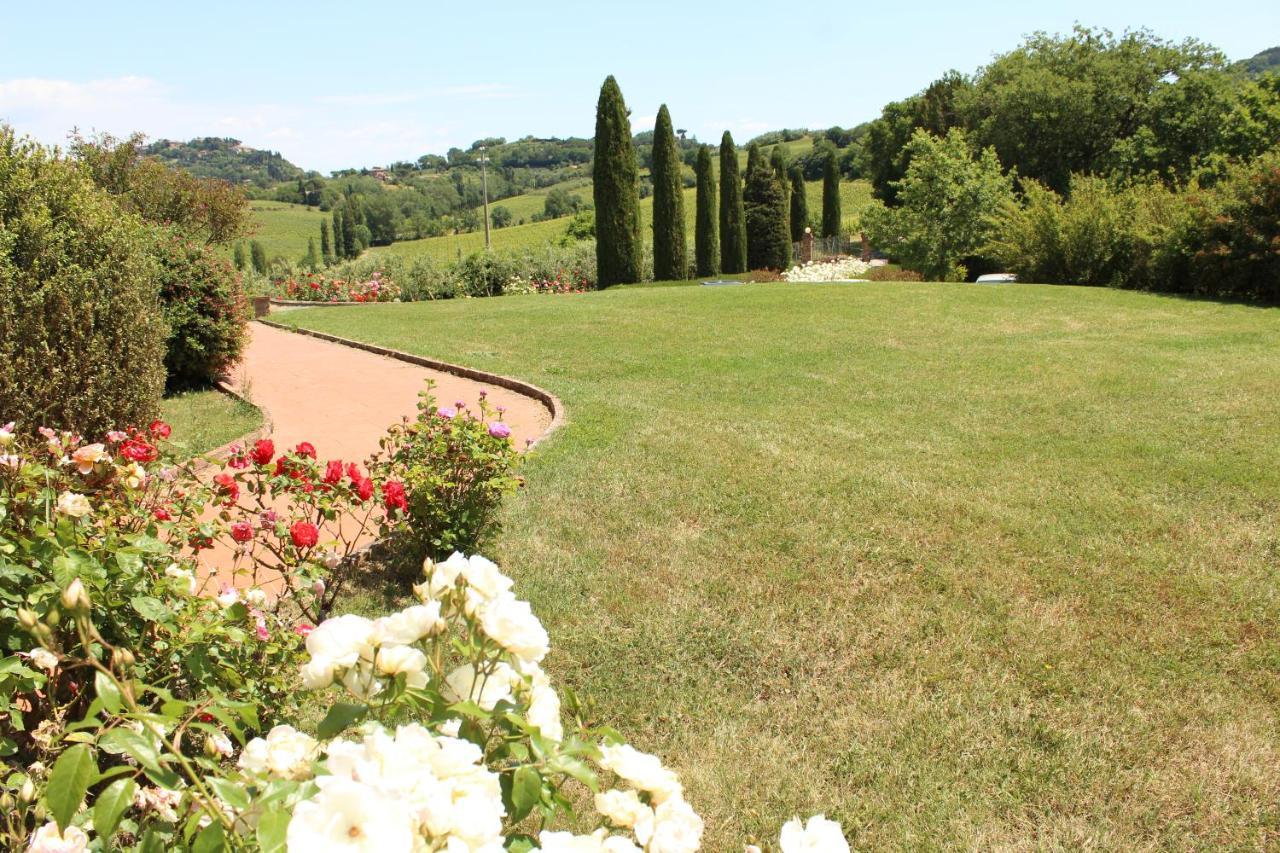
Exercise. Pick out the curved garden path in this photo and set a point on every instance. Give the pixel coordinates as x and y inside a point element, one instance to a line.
<point>342,399</point>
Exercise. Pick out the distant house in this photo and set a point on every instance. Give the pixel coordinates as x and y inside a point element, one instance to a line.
<point>380,173</point>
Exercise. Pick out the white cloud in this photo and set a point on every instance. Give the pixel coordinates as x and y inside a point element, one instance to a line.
<point>365,132</point>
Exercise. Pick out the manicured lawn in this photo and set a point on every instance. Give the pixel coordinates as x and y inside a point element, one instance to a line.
<point>205,420</point>
<point>959,566</point>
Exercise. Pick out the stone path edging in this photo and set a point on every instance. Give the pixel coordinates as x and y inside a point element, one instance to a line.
<point>519,386</point>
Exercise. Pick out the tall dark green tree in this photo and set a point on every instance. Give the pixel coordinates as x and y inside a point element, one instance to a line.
<point>733,227</point>
<point>311,260</point>
<point>706,238</point>
<point>326,244</point>
<point>613,173</point>
<point>337,233</point>
<point>767,215</point>
<point>670,252</point>
<point>799,204</point>
<point>237,256</point>
<point>350,238</point>
<point>258,256</point>
<point>780,162</point>
<point>831,197</point>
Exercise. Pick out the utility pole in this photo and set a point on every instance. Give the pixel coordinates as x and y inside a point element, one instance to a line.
<point>484,183</point>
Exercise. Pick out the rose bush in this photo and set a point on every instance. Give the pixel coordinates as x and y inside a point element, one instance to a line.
<point>457,464</point>
<point>443,733</point>
<point>833,269</point>
<point>319,287</point>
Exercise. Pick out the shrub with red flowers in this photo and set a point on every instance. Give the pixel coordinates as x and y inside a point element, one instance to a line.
<point>561,281</point>
<point>448,470</point>
<point>319,287</point>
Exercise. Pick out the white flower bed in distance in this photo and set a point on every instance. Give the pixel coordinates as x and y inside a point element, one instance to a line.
<point>838,269</point>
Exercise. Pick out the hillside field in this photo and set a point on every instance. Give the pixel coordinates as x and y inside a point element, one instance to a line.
<point>962,567</point>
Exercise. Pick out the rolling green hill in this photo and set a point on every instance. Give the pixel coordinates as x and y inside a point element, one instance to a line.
<point>226,159</point>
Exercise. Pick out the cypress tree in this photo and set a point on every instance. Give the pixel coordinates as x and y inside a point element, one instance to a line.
<point>706,240</point>
<point>767,215</point>
<point>337,233</point>
<point>350,243</point>
<point>311,260</point>
<point>613,174</point>
<point>670,250</point>
<point>799,205</point>
<point>237,256</point>
<point>258,256</point>
<point>733,228</point>
<point>326,245</point>
<point>831,197</point>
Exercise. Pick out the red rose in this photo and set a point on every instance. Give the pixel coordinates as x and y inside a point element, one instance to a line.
<point>304,534</point>
<point>353,473</point>
<point>306,448</point>
<point>333,472</point>
<point>242,531</point>
<point>393,496</point>
<point>228,488</point>
<point>364,489</point>
<point>263,450</point>
<point>161,514</point>
<point>137,450</point>
<point>160,429</point>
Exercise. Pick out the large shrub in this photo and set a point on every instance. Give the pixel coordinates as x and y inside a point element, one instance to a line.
<point>82,339</point>
<point>205,308</point>
<point>1098,235</point>
<point>457,466</point>
<point>1231,243</point>
<point>947,206</point>
<point>767,215</point>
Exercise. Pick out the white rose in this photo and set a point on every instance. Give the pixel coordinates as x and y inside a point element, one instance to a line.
<point>74,504</point>
<point>393,660</point>
<point>220,744</point>
<point>10,460</point>
<point>43,658</point>
<point>622,808</point>
<point>443,576</point>
<point>642,770</point>
<point>6,434</point>
<point>285,752</point>
<point>511,624</point>
<point>619,844</point>
<point>47,839</point>
<point>228,597</point>
<point>255,596</point>
<point>674,828</point>
<point>361,682</point>
<point>818,835</point>
<point>486,691</point>
<point>484,577</point>
<point>317,674</point>
<point>349,815</point>
<point>544,711</point>
<point>342,640</point>
<point>409,625</point>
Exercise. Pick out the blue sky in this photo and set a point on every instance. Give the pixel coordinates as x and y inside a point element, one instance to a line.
<point>362,84</point>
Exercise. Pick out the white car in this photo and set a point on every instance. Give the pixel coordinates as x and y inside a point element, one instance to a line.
<point>997,278</point>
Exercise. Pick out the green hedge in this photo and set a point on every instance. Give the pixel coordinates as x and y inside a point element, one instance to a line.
<point>82,338</point>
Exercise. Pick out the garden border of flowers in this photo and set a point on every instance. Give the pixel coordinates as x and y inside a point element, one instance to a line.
<point>527,389</point>
<point>219,455</point>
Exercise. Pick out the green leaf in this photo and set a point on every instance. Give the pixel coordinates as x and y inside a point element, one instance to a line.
<point>211,838</point>
<point>526,791</point>
<point>129,742</point>
<point>574,768</point>
<point>107,692</point>
<point>520,844</point>
<point>234,795</point>
<point>273,826</point>
<point>339,717</point>
<point>151,609</point>
<point>69,781</point>
<point>111,805</point>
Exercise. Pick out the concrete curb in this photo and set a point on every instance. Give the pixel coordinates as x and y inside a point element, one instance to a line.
<point>550,401</point>
<point>303,303</point>
<point>219,455</point>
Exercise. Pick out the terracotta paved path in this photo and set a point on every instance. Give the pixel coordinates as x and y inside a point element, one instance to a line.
<point>342,400</point>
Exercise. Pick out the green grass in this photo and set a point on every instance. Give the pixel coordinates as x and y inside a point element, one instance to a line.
<point>283,229</point>
<point>960,566</point>
<point>205,420</point>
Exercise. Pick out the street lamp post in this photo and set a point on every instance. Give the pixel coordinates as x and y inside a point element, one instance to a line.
<point>484,183</point>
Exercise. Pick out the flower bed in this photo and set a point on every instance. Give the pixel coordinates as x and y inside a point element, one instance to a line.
<point>141,708</point>
<point>833,269</point>
<point>318,287</point>
<point>562,281</point>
